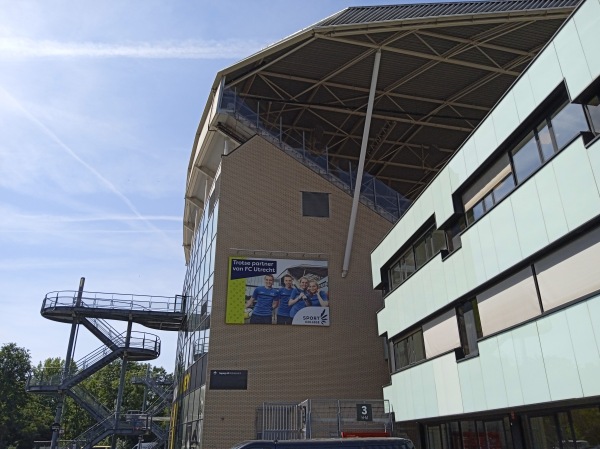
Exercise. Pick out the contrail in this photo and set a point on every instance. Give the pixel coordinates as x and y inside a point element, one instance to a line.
<point>95,172</point>
<point>30,48</point>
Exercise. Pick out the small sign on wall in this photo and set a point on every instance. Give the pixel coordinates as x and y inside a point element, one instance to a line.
<point>364,412</point>
<point>228,379</point>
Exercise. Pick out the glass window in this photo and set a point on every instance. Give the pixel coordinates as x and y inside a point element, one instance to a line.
<point>526,158</point>
<point>438,241</point>
<point>420,253</point>
<point>400,354</point>
<point>545,140</point>
<point>593,108</point>
<point>434,440</point>
<point>566,432</point>
<point>586,424</point>
<point>396,275</point>
<point>469,435</point>
<point>409,350</point>
<point>495,435</point>
<point>407,264</point>
<point>504,188</point>
<point>469,327</point>
<point>567,123</point>
<point>475,213</point>
<point>544,433</point>
<point>488,201</point>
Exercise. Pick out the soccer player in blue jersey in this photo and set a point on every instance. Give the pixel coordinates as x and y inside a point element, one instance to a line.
<point>265,300</point>
<point>299,298</point>
<point>283,311</point>
<point>317,297</point>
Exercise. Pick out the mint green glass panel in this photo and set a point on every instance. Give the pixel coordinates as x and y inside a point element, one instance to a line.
<point>485,139</point>
<point>473,257</point>
<point>492,375</point>
<point>545,74</point>
<point>438,282</point>
<point>488,249</point>
<point>587,354</point>
<point>594,157</point>
<point>416,381</point>
<point>524,100</point>
<point>505,117</point>
<point>471,385</point>
<point>510,369</point>
<point>532,373</point>
<point>571,59</point>
<point>457,170</point>
<point>429,397</point>
<point>470,155</point>
<point>529,219</point>
<point>552,209</point>
<point>587,21</point>
<point>559,358</point>
<point>450,276</point>
<point>508,249</point>
<point>594,308</point>
<point>576,184</point>
<point>447,385</point>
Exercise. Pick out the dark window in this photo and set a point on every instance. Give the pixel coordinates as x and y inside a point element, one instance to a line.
<point>475,213</point>
<point>593,109</point>
<point>541,143</point>
<point>421,253</point>
<point>567,123</point>
<point>504,188</point>
<point>315,204</point>
<point>453,234</point>
<point>409,350</point>
<point>469,327</point>
<point>526,158</point>
<point>417,255</point>
<point>545,139</point>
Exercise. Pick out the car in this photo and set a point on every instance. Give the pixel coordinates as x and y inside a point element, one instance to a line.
<point>329,443</point>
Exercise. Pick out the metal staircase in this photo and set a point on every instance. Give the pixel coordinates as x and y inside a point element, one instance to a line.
<point>92,310</point>
<point>163,389</point>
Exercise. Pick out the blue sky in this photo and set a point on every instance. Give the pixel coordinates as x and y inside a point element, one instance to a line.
<point>99,105</point>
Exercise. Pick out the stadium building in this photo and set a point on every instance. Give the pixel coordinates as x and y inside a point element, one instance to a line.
<point>444,154</point>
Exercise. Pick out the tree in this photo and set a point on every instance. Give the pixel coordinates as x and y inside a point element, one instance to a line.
<point>15,364</point>
<point>25,417</point>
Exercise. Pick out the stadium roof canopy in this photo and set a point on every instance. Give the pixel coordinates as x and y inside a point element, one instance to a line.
<point>443,66</point>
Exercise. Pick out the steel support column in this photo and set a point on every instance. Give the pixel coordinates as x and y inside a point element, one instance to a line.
<point>361,164</point>
<point>113,442</point>
<point>68,360</point>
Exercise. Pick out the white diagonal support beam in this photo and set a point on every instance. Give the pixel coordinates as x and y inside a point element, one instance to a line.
<point>361,165</point>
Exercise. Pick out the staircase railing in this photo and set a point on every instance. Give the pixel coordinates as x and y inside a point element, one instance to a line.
<point>87,400</point>
<point>95,360</point>
<point>108,331</point>
<point>91,435</point>
<point>116,301</point>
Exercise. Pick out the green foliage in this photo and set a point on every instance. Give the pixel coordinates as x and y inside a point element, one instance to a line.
<point>15,364</point>
<point>27,417</point>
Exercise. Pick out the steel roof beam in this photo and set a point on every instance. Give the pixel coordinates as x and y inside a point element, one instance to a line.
<point>379,92</point>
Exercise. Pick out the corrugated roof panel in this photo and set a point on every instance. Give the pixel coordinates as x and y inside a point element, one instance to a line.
<point>378,14</point>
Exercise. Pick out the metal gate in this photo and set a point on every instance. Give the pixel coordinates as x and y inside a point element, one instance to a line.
<point>280,421</point>
<point>324,418</point>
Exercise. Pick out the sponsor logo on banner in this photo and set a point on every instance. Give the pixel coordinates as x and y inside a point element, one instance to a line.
<point>312,316</point>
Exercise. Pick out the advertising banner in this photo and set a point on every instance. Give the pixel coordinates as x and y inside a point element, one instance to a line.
<point>277,291</point>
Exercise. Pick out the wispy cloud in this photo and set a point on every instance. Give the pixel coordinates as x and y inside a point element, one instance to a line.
<point>31,48</point>
<point>101,178</point>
